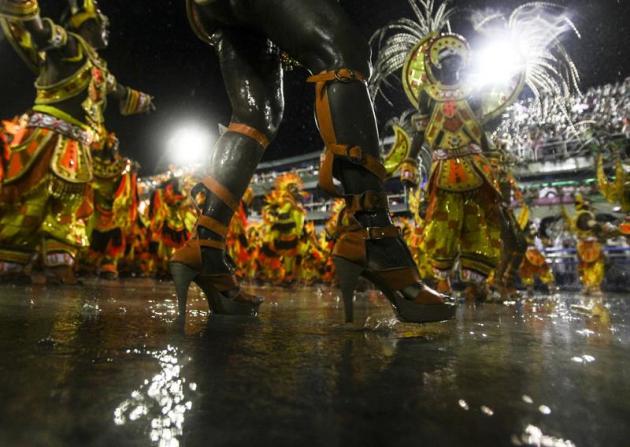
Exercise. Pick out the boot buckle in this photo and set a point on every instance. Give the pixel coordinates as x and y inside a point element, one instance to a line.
<point>377,233</point>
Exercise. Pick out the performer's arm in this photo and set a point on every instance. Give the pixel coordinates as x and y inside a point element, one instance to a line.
<point>420,121</point>
<point>409,172</point>
<point>46,35</point>
<point>132,102</point>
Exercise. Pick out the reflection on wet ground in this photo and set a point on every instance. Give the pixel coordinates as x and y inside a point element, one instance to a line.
<point>105,365</point>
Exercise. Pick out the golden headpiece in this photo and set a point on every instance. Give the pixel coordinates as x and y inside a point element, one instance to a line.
<point>581,203</point>
<point>81,14</point>
<point>284,181</point>
<point>448,44</point>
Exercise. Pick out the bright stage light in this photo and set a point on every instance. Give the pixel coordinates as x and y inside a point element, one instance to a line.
<point>189,145</point>
<point>496,63</point>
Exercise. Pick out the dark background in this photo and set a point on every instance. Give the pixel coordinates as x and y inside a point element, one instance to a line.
<point>153,49</point>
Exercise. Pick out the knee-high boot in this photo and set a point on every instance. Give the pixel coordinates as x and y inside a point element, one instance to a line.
<point>203,259</point>
<point>369,244</point>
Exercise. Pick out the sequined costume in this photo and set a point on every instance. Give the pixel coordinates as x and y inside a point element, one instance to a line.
<point>115,206</point>
<point>311,257</point>
<point>465,220</point>
<point>590,252</point>
<point>237,243</point>
<point>284,227</point>
<point>48,167</point>
<point>417,234</point>
<point>617,191</point>
<point>172,218</point>
<point>534,265</point>
<point>503,278</point>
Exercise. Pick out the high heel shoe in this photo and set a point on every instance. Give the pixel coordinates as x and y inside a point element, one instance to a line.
<point>202,261</point>
<point>211,285</point>
<point>411,299</point>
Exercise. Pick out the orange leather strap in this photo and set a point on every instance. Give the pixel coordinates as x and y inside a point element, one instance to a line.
<point>209,243</point>
<point>398,279</point>
<point>374,233</point>
<point>356,155</point>
<point>341,75</point>
<point>213,225</point>
<point>221,192</point>
<point>250,132</point>
<point>327,131</point>
<point>222,282</point>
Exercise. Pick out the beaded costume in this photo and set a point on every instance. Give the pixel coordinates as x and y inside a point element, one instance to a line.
<point>115,206</point>
<point>465,220</point>
<point>48,167</point>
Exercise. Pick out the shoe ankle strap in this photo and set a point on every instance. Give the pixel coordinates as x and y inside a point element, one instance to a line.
<point>213,225</point>
<point>375,233</point>
<point>210,223</point>
<point>211,243</point>
<point>334,149</point>
<point>221,192</point>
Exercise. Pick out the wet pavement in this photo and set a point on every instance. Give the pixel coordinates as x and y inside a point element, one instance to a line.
<point>105,365</point>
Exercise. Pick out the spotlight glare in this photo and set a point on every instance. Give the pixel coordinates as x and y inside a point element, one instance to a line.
<point>189,145</point>
<point>497,63</point>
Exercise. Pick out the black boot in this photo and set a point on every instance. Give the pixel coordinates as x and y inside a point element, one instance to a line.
<point>203,259</point>
<point>368,245</point>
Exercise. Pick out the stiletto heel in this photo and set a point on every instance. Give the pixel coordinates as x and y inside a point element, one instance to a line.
<point>182,277</point>
<point>411,299</point>
<point>348,275</point>
<point>209,270</point>
<point>217,303</point>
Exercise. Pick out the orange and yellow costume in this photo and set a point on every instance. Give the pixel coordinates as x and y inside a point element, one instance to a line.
<point>115,207</point>
<point>590,252</point>
<point>47,170</point>
<point>534,265</point>
<point>172,219</point>
<point>283,226</point>
<point>237,243</point>
<point>463,214</point>
<point>617,191</point>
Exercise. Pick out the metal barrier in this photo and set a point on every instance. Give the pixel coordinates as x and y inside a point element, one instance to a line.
<point>564,263</point>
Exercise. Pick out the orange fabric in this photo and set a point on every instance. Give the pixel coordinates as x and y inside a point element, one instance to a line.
<point>18,161</point>
<point>87,205</point>
<point>535,257</point>
<point>589,251</point>
<point>70,157</point>
<point>250,132</point>
<point>36,174</point>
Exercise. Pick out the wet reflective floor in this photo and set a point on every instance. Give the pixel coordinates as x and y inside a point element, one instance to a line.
<point>105,365</point>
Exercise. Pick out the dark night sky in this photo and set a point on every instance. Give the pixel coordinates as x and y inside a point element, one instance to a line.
<point>152,49</point>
